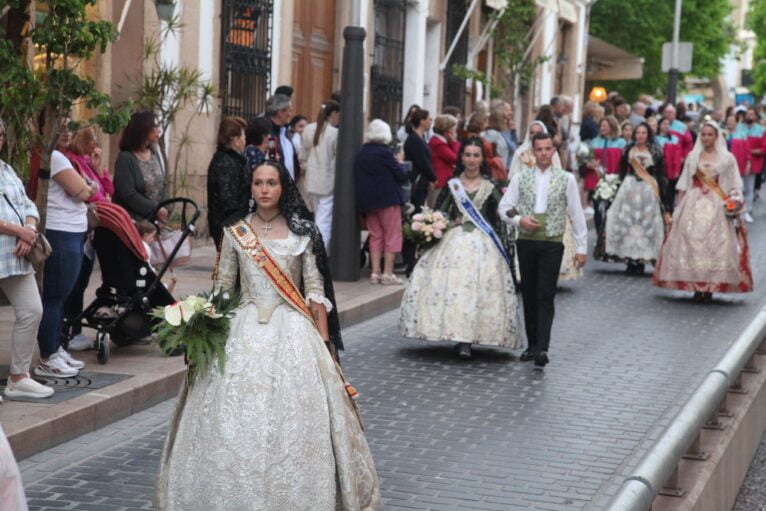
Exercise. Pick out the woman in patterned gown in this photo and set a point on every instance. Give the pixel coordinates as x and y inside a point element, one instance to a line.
<point>634,226</point>
<point>706,250</point>
<point>462,290</point>
<point>278,428</point>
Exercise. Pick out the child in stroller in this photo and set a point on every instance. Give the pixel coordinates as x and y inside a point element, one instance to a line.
<point>130,288</point>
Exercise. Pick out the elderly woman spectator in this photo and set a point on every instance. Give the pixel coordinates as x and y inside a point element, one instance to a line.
<point>139,175</point>
<point>228,177</point>
<point>317,157</point>
<point>18,230</point>
<point>85,154</point>
<point>379,198</point>
<point>444,148</point>
<point>416,151</point>
<point>66,227</point>
<point>257,140</point>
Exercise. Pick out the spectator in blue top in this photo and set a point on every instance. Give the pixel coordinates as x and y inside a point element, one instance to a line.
<point>379,198</point>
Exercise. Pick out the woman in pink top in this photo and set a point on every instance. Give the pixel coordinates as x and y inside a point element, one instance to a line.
<point>85,155</point>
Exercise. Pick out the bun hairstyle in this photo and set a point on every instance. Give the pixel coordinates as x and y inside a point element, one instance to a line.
<point>325,111</point>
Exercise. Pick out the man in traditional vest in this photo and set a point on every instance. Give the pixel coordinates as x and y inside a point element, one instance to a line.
<point>537,201</point>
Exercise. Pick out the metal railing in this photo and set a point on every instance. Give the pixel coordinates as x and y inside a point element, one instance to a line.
<point>657,471</point>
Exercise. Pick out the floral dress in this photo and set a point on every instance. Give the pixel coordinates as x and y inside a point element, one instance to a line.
<point>462,289</point>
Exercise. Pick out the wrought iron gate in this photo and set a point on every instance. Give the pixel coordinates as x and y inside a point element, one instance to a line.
<point>454,86</point>
<point>246,28</point>
<point>387,72</point>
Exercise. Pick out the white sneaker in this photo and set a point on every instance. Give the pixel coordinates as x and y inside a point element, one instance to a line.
<point>589,212</point>
<point>80,342</point>
<point>75,364</point>
<point>55,367</point>
<point>748,218</point>
<point>27,388</point>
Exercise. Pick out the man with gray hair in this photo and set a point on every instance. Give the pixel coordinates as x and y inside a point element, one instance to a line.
<point>279,110</point>
<point>638,115</point>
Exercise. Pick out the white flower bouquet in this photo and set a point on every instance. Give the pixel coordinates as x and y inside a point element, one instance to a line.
<point>607,187</point>
<point>200,325</point>
<point>427,227</point>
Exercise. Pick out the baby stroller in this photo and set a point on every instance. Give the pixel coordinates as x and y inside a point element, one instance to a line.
<point>129,289</point>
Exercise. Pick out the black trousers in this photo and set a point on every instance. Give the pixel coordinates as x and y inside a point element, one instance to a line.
<point>539,264</point>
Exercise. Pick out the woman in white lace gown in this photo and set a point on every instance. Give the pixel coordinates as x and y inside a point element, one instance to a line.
<point>462,289</point>
<point>277,430</point>
<point>706,250</point>
<point>635,228</point>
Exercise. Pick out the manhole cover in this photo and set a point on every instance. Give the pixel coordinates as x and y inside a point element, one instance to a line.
<point>67,388</point>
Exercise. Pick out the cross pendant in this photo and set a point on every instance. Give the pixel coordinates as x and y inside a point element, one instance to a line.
<point>267,228</point>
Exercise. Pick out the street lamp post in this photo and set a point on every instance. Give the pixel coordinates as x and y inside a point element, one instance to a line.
<point>345,241</point>
<point>674,64</point>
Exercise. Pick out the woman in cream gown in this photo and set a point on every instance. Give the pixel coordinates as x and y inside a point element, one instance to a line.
<point>523,159</point>
<point>277,429</point>
<point>461,289</point>
<point>706,250</point>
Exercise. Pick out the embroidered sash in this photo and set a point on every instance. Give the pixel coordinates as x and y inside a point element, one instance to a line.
<point>467,208</point>
<point>246,238</point>
<point>252,245</point>
<point>649,179</point>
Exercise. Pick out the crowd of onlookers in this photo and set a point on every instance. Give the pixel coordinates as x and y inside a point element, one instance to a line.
<point>78,180</point>
<point>398,170</point>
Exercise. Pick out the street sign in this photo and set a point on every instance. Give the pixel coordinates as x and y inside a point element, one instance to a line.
<point>684,57</point>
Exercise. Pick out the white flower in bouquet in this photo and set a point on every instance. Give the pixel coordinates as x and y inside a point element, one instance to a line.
<point>417,226</point>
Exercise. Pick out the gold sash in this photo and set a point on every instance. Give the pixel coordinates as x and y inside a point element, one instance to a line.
<point>649,179</point>
<point>282,283</point>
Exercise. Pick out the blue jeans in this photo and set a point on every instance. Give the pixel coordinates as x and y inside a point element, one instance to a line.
<point>74,303</point>
<point>59,277</point>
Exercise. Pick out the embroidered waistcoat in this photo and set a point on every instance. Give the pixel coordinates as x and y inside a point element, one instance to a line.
<point>557,200</point>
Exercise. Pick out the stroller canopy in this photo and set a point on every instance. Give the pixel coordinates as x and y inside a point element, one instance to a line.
<point>116,219</point>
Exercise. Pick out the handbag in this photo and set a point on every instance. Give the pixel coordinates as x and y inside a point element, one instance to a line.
<point>93,220</point>
<point>41,248</point>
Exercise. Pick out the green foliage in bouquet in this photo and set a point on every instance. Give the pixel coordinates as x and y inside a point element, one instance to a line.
<point>199,324</point>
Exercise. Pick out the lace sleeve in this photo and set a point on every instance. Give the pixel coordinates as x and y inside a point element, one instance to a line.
<point>313,283</point>
<point>226,270</point>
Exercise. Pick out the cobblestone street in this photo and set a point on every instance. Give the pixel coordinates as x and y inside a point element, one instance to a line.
<point>485,434</point>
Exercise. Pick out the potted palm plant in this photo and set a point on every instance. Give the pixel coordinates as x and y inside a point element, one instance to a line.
<point>165,9</point>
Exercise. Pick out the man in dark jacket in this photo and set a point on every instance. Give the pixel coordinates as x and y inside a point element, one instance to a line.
<point>279,110</point>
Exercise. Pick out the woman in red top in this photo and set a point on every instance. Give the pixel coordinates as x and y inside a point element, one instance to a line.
<point>444,149</point>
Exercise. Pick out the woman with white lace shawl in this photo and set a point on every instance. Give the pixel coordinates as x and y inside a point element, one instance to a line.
<point>706,250</point>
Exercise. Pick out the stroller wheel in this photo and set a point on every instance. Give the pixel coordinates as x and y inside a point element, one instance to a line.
<point>102,340</point>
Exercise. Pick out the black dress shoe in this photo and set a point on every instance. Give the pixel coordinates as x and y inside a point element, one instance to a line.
<point>527,356</point>
<point>541,359</point>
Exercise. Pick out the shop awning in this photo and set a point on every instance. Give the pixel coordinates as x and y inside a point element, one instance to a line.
<point>608,62</point>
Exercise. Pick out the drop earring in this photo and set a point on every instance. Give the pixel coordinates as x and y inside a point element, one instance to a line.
<point>251,202</point>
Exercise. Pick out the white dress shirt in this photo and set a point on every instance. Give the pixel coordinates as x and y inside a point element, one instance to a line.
<point>542,187</point>
<point>288,150</point>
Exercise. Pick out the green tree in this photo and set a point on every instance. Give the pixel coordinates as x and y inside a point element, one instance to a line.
<point>66,38</point>
<point>642,26</point>
<point>511,43</point>
<point>756,20</point>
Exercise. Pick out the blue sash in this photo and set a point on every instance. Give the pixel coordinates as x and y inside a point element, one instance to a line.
<point>467,208</point>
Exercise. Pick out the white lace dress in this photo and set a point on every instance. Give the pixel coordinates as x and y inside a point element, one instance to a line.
<point>462,290</point>
<point>277,430</point>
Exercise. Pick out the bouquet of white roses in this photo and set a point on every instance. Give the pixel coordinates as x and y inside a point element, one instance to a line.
<point>607,187</point>
<point>427,227</point>
<point>199,324</point>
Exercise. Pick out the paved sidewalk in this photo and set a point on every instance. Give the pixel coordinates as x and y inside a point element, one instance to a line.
<point>489,433</point>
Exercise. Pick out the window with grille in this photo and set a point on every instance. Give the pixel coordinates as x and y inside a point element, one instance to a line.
<point>387,72</point>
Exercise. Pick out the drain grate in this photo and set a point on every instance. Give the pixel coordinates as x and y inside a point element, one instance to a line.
<point>67,388</point>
